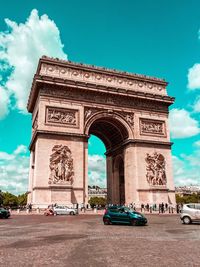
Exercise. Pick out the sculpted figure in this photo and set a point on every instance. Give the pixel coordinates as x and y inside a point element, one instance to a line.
<point>61,165</point>
<point>156,169</point>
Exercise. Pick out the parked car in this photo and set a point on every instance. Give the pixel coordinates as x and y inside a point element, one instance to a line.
<point>5,214</point>
<point>63,210</point>
<point>124,215</point>
<point>190,213</point>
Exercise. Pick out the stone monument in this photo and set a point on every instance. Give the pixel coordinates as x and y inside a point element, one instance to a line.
<point>128,112</point>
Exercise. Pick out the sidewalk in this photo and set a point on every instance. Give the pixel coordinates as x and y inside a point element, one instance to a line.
<point>88,212</point>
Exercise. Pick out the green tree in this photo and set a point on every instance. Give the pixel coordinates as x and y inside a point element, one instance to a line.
<point>1,197</point>
<point>9,200</point>
<point>97,201</point>
<point>194,198</point>
<point>22,199</point>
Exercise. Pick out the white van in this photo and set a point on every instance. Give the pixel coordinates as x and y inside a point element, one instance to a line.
<point>190,213</point>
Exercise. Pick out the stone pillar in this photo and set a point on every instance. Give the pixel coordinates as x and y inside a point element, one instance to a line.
<point>85,166</point>
<point>130,175</point>
<point>109,172</point>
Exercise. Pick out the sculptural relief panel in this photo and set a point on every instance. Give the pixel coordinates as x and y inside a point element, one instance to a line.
<point>61,166</point>
<point>152,127</point>
<point>155,169</point>
<point>62,116</point>
<point>132,83</point>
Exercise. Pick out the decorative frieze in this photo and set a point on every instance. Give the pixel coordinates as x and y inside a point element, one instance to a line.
<point>152,127</point>
<point>104,98</point>
<point>62,116</point>
<point>131,82</point>
<point>155,168</point>
<point>61,166</point>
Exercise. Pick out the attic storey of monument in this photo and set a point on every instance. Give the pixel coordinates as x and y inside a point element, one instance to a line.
<point>128,112</point>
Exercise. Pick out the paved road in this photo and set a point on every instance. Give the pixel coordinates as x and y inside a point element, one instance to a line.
<point>35,240</point>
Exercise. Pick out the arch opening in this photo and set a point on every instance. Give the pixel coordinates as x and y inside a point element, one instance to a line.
<point>110,131</point>
<point>113,134</point>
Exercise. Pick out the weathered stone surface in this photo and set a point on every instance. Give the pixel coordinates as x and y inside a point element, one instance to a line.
<point>128,112</point>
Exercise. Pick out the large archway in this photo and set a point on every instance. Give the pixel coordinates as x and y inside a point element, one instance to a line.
<point>128,112</point>
<point>113,132</point>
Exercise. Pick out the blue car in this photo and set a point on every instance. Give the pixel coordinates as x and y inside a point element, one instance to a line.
<point>123,215</point>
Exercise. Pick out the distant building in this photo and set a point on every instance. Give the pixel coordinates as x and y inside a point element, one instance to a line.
<point>96,191</point>
<point>187,190</point>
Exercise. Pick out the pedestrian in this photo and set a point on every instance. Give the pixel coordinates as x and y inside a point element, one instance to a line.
<point>162,207</point>
<point>147,207</point>
<point>142,207</point>
<point>134,207</point>
<point>166,206</point>
<point>30,207</point>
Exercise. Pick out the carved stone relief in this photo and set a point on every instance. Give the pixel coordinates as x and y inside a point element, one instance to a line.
<point>131,83</point>
<point>62,116</point>
<point>88,112</point>
<point>61,165</point>
<point>99,97</point>
<point>155,169</point>
<point>129,117</point>
<point>152,127</point>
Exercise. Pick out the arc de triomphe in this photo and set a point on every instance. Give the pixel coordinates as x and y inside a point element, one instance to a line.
<point>128,112</point>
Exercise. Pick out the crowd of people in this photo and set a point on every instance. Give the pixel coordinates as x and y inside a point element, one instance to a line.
<point>160,208</point>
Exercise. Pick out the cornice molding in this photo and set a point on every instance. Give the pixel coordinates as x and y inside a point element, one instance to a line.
<point>54,134</point>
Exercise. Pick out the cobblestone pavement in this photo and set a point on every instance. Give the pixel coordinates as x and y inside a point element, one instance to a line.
<point>83,240</point>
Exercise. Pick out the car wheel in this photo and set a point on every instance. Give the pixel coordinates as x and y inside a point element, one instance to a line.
<point>186,220</point>
<point>107,221</point>
<point>133,222</point>
<point>72,213</point>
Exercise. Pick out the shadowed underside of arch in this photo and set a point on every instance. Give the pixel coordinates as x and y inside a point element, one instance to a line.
<point>110,131</point>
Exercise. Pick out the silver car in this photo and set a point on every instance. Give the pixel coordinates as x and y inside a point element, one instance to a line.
<point>190,213</point>
<point>63,210</point>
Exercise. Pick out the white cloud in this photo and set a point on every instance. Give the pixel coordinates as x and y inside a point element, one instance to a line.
<point>20,48</point>
<point>196,106</point>
<point>4,102</point>
<point>97,170</point>
<point>14,170</point>
<point>194,77</point>
<point>186,168</point>
<point>181,124</point>
<point>21,149</point>
<point>197,143</point>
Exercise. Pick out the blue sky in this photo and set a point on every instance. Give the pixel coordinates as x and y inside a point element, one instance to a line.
<point>156,38</point>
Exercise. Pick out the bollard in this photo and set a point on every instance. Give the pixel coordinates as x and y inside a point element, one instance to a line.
<point>38,210</point>
<point>95,210</point>
<point>27,210</point>
<point>18,210</point>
